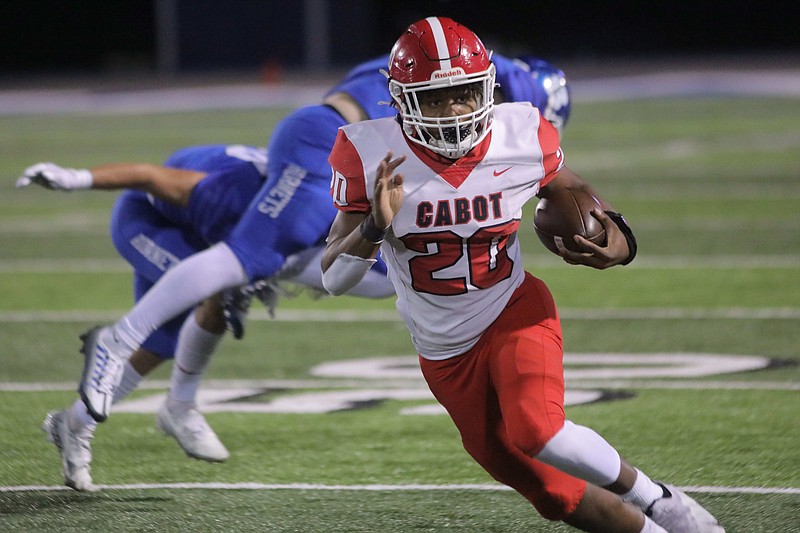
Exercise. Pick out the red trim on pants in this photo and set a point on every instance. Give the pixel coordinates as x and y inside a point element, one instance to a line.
<point>506,397</point>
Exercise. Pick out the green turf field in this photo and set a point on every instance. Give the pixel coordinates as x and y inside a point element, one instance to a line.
<point>706,394</point>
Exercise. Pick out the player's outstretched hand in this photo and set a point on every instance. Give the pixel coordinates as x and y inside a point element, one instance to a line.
<point>613,253</point>
<point>52,176</point>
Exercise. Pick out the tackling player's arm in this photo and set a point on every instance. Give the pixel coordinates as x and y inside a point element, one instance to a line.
<point>173,185</point>
<point>170,184</point>
<point>346,106</point>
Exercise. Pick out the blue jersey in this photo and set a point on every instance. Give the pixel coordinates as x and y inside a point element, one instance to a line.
<point>514,83</point>
<point>234,174</point>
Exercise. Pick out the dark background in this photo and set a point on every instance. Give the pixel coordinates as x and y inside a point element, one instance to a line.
<point>180,36</point>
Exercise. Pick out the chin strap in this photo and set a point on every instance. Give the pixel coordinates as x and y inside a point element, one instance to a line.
<point>626,230</point>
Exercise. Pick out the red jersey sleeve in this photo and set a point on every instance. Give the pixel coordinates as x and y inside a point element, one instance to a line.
<point>552,156</point>
<point>348,184</point>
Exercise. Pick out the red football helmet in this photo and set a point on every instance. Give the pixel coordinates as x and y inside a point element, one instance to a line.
<point>434,53</point>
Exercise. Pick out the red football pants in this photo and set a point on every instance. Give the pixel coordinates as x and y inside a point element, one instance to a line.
<point>506,396</point>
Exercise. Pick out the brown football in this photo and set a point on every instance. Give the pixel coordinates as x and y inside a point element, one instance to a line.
<point>565,213</point>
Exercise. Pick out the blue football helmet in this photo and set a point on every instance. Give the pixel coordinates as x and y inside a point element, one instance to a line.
<point>530,79</point>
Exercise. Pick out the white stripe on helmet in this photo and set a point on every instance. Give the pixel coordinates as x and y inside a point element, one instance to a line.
<point>441,43</point>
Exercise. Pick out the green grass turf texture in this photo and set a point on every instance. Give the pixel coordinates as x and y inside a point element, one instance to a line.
<point>712,188</point>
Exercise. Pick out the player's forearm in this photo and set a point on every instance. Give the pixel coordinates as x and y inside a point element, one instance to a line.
<point>354,244</point>
<point>350,252</point>
<point>169,184</point>
<point>346,238</point>
<point>122,176</point>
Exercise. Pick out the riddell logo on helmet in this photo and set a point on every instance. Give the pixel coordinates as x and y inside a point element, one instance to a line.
<point>441,74</point>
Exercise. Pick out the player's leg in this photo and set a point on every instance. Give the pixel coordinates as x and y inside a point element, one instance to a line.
<point>601,510</point>
<point>199,335</point>
<point>181,284</point>
<point>149,244</point>
<point>186,284</point>
<point>528,376</point>
<point>462,385</point>
<point>192,338</point>
<point>72,429</point>
<point>179,416</point>
<point>191,344</point>
<point>583,452</point>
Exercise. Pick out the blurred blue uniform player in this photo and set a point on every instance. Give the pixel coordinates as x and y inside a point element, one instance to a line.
<point>166,214</point>
<point>154,233</point>
<point>280,231</point>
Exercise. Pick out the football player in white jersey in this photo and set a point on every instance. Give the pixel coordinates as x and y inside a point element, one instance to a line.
<point>487,332</point>
<point>256,237</point>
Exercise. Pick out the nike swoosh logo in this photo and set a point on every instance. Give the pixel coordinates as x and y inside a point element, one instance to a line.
<point>496,173</point>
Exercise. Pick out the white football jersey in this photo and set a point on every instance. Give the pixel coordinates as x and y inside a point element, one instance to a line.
<point>452,249</point>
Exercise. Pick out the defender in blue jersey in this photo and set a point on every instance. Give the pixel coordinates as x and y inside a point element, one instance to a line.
<point>169,213</point>
<point>154,231</point>
<point>279,231</point>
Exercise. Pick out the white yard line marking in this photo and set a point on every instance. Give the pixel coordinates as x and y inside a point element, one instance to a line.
<point>368,488</point>
<point>215,384</point>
